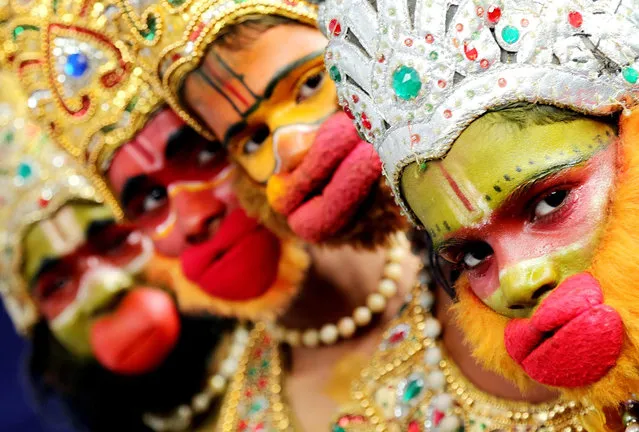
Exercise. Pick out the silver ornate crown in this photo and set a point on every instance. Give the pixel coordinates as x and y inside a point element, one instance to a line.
<point>413,75</point>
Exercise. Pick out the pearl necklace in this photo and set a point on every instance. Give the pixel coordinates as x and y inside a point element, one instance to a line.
<point>181,417</point>
<point>376,302</point>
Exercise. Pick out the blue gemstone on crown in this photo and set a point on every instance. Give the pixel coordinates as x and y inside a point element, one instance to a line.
<point>24,170</point>
<point>76,65</point>
<point>510,34</point>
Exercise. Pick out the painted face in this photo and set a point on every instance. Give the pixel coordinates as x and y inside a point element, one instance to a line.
<point>177,188</point>
<point>517,209</point>
<point>172,183</point>
<point>276,111</point>
<point>80,268</point>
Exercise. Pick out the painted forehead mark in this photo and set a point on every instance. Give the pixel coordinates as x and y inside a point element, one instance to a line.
<point>145,154</point>
<point>228,83</point>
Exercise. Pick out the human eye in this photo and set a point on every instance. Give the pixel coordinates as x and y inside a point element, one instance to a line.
<point>468,256</point>
<point>549,203</point>
<point>256,141</point>
<point>310,86</point>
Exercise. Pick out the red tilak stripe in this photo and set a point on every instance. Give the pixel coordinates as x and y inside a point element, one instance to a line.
<point>226,85</point>
<point>453,184</point>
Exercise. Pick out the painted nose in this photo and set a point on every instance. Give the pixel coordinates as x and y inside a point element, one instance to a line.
<point>291,143</point>
<point>523,284</point>
<point>196,208</point>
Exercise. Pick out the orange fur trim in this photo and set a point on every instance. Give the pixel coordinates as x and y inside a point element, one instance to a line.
<point>378,218</point>
<point>614,266</point>
<point>294,262</point>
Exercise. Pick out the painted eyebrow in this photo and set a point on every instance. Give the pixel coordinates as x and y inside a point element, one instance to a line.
<point>131,186</point>
<point>234,130</point>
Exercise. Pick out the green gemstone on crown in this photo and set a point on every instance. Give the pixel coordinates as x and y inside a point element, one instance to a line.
<point>334,73</point>
<point>406,82</point>
<point>631,75</point>
<point>150,33</point>
<point>510,34</point>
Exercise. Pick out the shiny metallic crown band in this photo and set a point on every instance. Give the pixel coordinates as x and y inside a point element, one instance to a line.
<point>175,35</point>
<point>77,64</point>
<point>36,178</point>
<point>413,75</point>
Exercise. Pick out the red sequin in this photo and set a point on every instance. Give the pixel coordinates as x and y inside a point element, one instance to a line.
<point>334,27</point>
<point>471,52</point>
<point>413,426</point>
<point>448,113</point>
<point>484,63</point>
<point>430,38</point>
<point>355,98</point>
<point>501,82</point>
<point>349,113</point>
<point>408,42</point>
<point>575,19</point>
<point>494,14</point>
<point>366,122</point>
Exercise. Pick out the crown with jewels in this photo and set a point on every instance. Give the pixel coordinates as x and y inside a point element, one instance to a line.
<point>413,75</point>
<point>175,34</point>
<point>36,179</point>
<point>77,63</point>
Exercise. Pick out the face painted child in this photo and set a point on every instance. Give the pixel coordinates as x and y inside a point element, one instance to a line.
<point>81,268</point>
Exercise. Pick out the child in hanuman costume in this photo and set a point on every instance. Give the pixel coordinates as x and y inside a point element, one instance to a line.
<point>509,132</point>
<point>412,383</point>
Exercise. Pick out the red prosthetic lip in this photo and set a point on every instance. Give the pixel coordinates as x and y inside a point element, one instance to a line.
<point>324,192</point>
<point>572,340</point>
<point>239,263</point>
<point>139,334</point>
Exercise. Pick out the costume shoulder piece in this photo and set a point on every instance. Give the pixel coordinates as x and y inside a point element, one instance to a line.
<point>36,179</point>
<point>411,385</point>
<point>175,35</point>
<point>413,78</point>
<point>77,64</point>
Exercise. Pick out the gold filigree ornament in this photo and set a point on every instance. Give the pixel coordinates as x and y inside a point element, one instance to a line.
<point>78,65</point>
<point>412,385</point>
<point>36,179</point>
<point>174,36</point>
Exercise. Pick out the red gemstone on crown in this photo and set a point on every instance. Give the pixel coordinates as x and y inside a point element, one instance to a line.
<point>430,38</point>
<point>448,114</point>
<point>575,19</point>
<point>349,113</point>
<point>493,14</point>
<point>42,202</point>
<point>441,83</point>
<point>334,27</point>
<point>484,63</point>
<point>397,336</point>
<point>366,122</point>
<point>471,52</point>
<point>413,426</point>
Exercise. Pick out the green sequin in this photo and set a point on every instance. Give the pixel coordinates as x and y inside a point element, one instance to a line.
<point>406,82</point>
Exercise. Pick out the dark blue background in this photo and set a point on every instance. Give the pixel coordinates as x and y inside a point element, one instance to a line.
<point>17,409</point>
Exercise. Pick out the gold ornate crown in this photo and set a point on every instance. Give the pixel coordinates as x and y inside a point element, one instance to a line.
<point>77,64</point>
<point>36,179</point>
<point>175,35</point>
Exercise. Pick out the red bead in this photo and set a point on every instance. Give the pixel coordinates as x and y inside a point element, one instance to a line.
<point>471,52</point>
<point>413,426</point>
<point>366,122</point>
<point>408,42</point>
<point>334,27</point>
<point>480,11</point>
<point>355,98</point>
<point>493,15</point>
<point>261,383</point>
<point>448,114</point>
<point>438,416</point>
<point>501,82</point>
<point>430,38</point>
<point>441,84</point>
<point>575,19</point>
<point>349,113</point>
<point>524,22</point>
<point>459,27</point>
<point>415,138</point>
<point>484,63</point>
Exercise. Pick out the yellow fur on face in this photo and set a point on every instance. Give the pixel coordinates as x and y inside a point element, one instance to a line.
<point>615,266</point>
